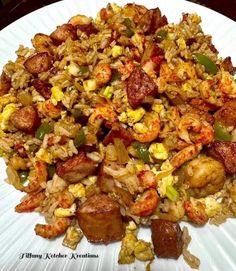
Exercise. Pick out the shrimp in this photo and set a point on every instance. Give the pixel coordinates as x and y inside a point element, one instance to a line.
<point>204,175</point>
<point>126,68</point>
<point>102,74</point>
<point>186,154</point>
<point>202,132</point>
<point>58,227</point>
<point>31,202</point>
<point>48,109</point>
<point>65,199</point>
<point>227,85</point>
<point>206,134</point>
<point>146,204</point>
<point>152,122</point>
<point>147,179</point>
<point>37,176</point>
<point>175,213</point>
<point>195,210</point>
<point>100,113</point>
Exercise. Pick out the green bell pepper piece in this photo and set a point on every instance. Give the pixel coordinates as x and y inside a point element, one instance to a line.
<point>221,132</point>
<point>209,65</point>
<point>142,151</point>
<point>51,169</point>
<point>23,174</point>
<point>44,128</point>
<point>80,138</point>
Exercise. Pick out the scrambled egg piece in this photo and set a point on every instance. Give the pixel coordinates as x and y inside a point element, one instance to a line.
<point>116,51</point>
<point>72,237</point>
<point>158,108</point>
<point>195,18</point>
<point>90,85</point>
<point>73,69</point>
<point>143,251</point>
<point>90,180</point>
<point>213,207</point>
<point>158,151</point>
<point>123,117</point>
<point>44,156</point>
<point>6,114</point>
<point>166,165</point>
<point>135,115</point>
<point>6,99</point>
<point>139,165</point>
<point>163,183</point>
<point>140,128</point>
<point>181,43</point>
<point>78,190</point>
<point>131,247</point>
<point>126,254</point>
<point>65,212</point>
<point>57,94</point>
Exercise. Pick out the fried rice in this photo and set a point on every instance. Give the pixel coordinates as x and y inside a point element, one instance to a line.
<point>130,110</point>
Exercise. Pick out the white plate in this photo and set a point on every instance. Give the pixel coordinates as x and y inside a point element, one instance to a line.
<point>215,246</point>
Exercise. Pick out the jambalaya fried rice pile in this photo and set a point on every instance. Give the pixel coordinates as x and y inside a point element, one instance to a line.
<point>122,121</point>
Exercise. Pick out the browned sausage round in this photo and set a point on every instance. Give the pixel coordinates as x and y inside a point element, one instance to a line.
<point>227,114</point>
<point>88,29</point>
<point>40,62</point>
<point>225,152</point>
<point>76,168</point>
<point>118,132</point>
<point>152,20</point>
<point>100,219</point>
<point>63,32</point>
<point>5,84</point>
<point>42,87</point>
<point>139,85</point>
<point>26,119</point>
<point>166,238</point>
<point>228,65</point>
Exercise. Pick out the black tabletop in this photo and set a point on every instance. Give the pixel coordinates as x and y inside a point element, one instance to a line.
<point>18,8</point>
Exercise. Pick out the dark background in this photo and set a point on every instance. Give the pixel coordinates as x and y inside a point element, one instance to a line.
<point>10,10</point>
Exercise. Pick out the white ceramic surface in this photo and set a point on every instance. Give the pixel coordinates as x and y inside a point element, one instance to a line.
<point>215,246</point>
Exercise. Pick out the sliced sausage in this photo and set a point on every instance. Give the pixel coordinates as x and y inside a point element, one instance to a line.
<point>42,43</point>
<point>5,84</point>
<point>152,20</point>
<point>100,219</point>
<point>63,32</point>
<point>228,66</point>
<point>76,168</point>
<point>152,51</point>
<point>139,86</point>
<point>26,119</point>
<point>225,152</point>
<point>42,87</point>
<point>105,182</point>
<point>118,131</point>
<point>227,114</point>
<point>40,62</point>
<point>166,238</point>
<point>89,29</point>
